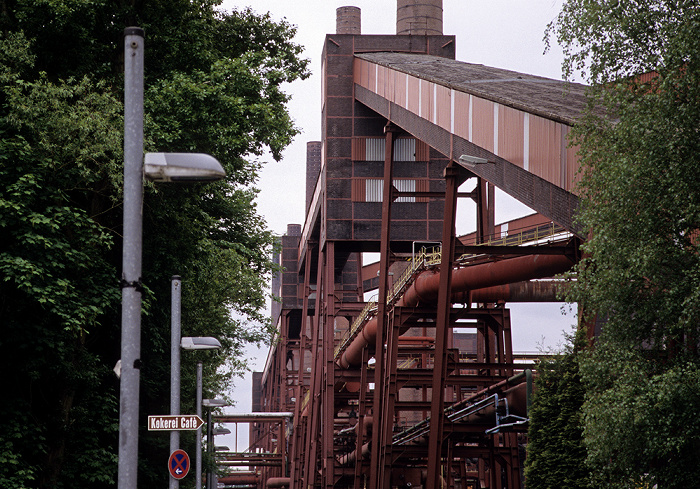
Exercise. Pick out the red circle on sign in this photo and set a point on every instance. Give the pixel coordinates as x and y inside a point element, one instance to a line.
<point>179,464</point>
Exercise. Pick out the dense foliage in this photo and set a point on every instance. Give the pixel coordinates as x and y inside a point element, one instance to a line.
<point>214,84</point>
<point>641,202</point>
<point>556,454</point>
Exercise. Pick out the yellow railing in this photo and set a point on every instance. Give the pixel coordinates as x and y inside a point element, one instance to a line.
<point>418,263</point>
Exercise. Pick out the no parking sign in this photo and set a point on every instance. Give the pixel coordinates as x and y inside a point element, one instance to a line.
<point>179,464</point>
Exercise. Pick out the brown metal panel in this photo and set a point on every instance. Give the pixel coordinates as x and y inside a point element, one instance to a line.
<point>358,66</point>
<point>545,149</point>
<point>400,88</point>
<point>572,166</point>
<point>482,123</point>
<point>359,149</point>
<point>511,135</point>
<point>391,85</point>
<point>426,97</point>
<point>422,151</point>
<point>444,107</point>
<point>358,189</point>
<point>371,76</point>
<point>413,90</point>
<point>461,114</point>
<point>382,75</point>
<point>422,185</point>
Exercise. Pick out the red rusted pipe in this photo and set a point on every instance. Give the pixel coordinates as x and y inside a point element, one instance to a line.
<point>277,482</point>
<point>424,289</point>
<point>239,479</point>
<point>539,291</point>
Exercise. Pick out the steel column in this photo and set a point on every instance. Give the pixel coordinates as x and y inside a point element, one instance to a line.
<point>298,434</point>
<point>444,307</point>
<point>377,480</point>
<point>328,397</point>
<point>313,425</point>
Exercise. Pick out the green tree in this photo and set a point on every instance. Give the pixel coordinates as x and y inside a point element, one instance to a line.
<point>641,202</point>
<point>556,454</point>
<point>214,84</point>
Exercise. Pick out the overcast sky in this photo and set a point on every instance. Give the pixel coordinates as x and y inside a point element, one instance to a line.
<point>500,33</point>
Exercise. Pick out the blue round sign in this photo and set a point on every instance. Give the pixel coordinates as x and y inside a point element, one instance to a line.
<point>179,464</point>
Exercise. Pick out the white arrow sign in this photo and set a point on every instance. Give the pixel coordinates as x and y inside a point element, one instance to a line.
<point>174,422</point>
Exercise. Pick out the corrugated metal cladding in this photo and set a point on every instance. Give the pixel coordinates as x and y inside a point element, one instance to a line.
<point>526,139</point>
<point>370,189</point>
<point>405,149</point>
<point>374,189</point>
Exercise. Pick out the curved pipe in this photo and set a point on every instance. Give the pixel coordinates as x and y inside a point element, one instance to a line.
<point>424,290</point>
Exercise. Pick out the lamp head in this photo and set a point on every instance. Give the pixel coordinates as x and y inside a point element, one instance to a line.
<point>199,343</point>
<point>212,403</point>
<point>182,167</point>
<point>471,161</point>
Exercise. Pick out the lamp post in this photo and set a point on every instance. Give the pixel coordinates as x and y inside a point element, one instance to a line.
<point>197,167</point>
<point>175,326</point>
<point>211,403</point>
<point>199,343</point>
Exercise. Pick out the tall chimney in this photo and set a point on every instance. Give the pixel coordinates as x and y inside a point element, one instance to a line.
<point>313,169</point>
<point>419,17</point>
<point>347,20</point>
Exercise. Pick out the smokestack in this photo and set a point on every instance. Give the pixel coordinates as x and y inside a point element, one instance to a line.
<point>348,20</point>
<point>313,169</point>
<point>419,17</point>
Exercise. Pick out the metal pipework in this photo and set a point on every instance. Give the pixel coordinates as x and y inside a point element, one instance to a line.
<point>425,288</point>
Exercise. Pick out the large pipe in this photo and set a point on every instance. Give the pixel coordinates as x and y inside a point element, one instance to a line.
<point>277,482</point>
<point>538,291</point>
<point>424,290</point>
<point>239,479</point>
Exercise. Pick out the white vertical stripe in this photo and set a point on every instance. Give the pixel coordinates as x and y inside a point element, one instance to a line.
<point>526,142</point>
<point>452,111</point>
<point>376,78</point>
<point>434,103</point>
<point>495,129</point>
<point>471,112</point>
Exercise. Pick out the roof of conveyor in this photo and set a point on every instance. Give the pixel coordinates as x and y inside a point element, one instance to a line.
<point>553,99</point>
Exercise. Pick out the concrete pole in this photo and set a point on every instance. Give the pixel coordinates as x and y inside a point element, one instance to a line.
<point>131,259</point>
<point>175,334</point>
<point>198,441</point>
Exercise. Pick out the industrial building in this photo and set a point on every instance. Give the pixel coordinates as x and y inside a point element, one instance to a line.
<point>401,373</point>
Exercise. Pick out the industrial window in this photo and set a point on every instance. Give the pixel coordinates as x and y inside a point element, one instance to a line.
<point>405,149</point>
<point>371,189</point>
<point>374,189</point>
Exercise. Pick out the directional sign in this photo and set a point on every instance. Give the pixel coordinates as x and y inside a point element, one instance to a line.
<point>179,464</point>
<point>174,422</point>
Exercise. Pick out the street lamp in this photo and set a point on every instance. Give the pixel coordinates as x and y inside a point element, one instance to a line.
<point>132,251</point>
<point>199,343</point>
<point>211,404</point>
<point>186,343</point>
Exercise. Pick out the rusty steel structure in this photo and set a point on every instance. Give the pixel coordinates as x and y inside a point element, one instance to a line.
<point>401,373</point>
